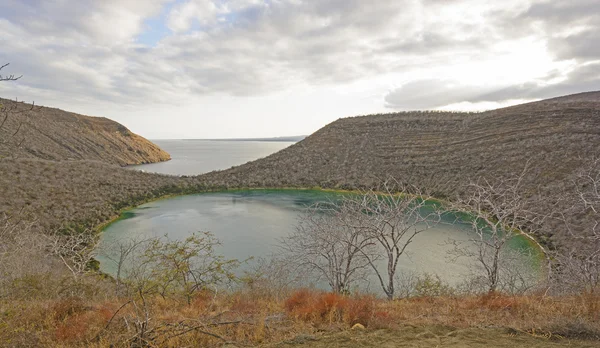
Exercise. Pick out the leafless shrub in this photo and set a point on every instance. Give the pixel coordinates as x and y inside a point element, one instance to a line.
<point>8,77</point>
<point>11,110</point>
<point>273,276</point>
<point>75,250</point>
<point>121,254</point>
<point>341,239</point>
<point>497,212</point>
<point>171,267</point>
<point>578,262</point>
<point>330,241</point>
<point>25,265</point>
<point>406,283</point>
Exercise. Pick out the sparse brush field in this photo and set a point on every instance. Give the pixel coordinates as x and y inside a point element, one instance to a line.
<point>81,194</point>
<point>256,317</point>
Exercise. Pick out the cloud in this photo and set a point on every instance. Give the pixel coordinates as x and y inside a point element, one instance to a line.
<point>571,26</point>
<point>428,94</point>
<point>432,94</point>
<point>87,50</point>
<point>183,16</point>
<point>582,79</point>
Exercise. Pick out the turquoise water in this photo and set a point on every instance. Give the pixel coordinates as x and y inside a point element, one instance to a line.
<point>249,224</point>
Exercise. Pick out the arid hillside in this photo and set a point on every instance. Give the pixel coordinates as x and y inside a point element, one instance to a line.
<point>440,151</point>
<point>54,134</point>
<point>436,149</point>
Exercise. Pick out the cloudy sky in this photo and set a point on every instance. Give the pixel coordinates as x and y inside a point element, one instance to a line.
<point>256,68</point>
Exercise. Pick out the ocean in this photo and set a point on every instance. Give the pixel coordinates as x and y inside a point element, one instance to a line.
<point>193,157</point>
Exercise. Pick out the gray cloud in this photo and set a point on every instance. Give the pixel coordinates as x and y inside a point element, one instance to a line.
<point>251,47</point>
<point>564,12</point>
<point>428,94</point>
<point>557,17</point>
<point>87,49</point>
<point>582,79</point>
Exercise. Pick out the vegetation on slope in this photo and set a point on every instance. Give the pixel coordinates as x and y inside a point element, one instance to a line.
<point>53,134</point>
<point>442,151</point>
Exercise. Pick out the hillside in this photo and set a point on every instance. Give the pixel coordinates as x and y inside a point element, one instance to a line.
<point>439,151</point>
<point>54,134</point>
<point>435,149</point>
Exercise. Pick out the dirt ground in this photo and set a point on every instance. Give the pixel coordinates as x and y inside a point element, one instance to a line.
<point>419,337</point>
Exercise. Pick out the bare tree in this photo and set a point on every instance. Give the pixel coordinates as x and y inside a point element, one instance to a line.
<point>496,212</point>
<point>8,77</point>
<point>577,261</point>
<point>75,249</point>
<point>13,109</point>
<point>121,254</point>
<point>340,239</point>
<point>331,242</point>
<point>391,220</point>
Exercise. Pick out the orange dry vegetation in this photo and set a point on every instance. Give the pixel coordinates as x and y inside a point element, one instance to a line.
<point>249,318</point>
<point>565,316</point>
<point>322,307</point>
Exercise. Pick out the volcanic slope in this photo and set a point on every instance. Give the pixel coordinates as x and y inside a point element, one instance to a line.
<point>439,151</point>
<point>435,149</point>
<point>54,134</point>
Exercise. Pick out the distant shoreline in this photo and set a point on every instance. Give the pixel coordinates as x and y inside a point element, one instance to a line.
<point>276,139</point>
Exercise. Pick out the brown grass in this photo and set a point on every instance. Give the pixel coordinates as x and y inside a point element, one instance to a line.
<point>323,307</point>
<point>245,318</point>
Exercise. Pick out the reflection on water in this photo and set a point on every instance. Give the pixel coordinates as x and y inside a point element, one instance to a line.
<point>249,223</point>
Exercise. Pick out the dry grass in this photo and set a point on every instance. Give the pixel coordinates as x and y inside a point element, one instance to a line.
<point>245,318</point>
<point>328,308</point>
<point>532,313</point>
<point>207,321</point>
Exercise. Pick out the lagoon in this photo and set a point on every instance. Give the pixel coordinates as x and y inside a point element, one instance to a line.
<point>249,223</point>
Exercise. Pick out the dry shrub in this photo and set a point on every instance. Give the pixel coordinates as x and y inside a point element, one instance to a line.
<point>573,329</point>
<point>297,299</point>
<point>497,301</point>
<point>591,303</point>
<point>63,309</point>
<point>247,319</point>
<point>76,322</point>
<point>246,304</point>
<point>106,313</point>
<point>73,328</point>
<point>326,307</point>
<point>359,310</point>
